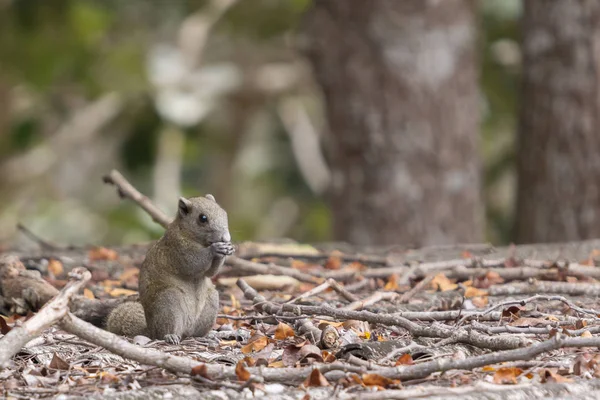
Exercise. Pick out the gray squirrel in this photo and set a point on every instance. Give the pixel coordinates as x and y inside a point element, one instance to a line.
<point>177,298</point>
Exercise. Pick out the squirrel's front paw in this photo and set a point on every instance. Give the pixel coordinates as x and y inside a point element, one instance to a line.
<point>222,248</point>
<point>172,338</point>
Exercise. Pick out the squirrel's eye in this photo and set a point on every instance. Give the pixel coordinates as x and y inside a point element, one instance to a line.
<point>203,218</point>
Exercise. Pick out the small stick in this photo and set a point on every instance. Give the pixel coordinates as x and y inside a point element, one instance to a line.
<point>329,283</point>
<point>342,290</point>
<point>372,299</point>
<point>52,311</point>
<point>411,293</point>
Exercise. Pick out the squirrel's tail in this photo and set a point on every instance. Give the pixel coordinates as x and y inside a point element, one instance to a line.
<point>127,319</point>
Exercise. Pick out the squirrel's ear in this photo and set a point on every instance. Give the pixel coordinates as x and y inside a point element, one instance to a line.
<point>185,206</point>
<point>210,197</point>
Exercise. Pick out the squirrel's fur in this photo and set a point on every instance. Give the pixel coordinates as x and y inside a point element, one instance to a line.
<point>177,298</point>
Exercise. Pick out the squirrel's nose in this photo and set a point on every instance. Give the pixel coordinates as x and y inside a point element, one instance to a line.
<point>226,237</point>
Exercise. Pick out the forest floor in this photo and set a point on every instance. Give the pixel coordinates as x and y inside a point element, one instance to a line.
<point>320,321</point>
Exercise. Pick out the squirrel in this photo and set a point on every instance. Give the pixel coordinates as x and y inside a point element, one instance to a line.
<point>177,297</point>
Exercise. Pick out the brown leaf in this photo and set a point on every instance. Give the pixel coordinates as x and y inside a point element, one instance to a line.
<point>332,323</point>
<point>283,331</point>
<point>264,353</point>
<point>87,293</point>
<point>200,370</point>
<point>511,312</point>
<point>102,253</point>
<point>586,334</point>
<point>107,377</point>
<point>442,283</point>
<point>58,363</point>
<point>480,302</point>
<point>507,375</point>
<point>55,267</point>
<point>290,356</point>
<point>4,328</point>
<point>474,292</point>
<point>241,372</point>
<point>255,344</point>
<point>116,292</point>
<point>309,351</point>
<point>333,262</point>
<point>378,380</point>
<point>405,359</point>
<point>129,274</point>
<point>315,379</point>
<point>327,356</point>
<point>550,375</point>
<point>392,283</point>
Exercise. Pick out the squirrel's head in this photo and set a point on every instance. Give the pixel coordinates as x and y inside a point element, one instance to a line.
<point>203,220</point>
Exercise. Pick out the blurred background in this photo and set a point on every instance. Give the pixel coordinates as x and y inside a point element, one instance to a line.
<point>374,122</point>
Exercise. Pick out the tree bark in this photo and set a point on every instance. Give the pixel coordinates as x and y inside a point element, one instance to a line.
<point>559,156</point>
<point>400,85</point>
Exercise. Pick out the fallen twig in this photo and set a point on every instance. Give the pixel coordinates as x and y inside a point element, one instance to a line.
<point>372,299</point>
<point>329,283</point>
<point>570,288</point>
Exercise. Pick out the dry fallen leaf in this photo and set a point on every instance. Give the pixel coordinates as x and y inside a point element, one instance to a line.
<point>259,343</point>
<point>102,253</point>
<point>235,303</point>
<point>442,283</point>
<point>405,359</point>
<point>332,323</point>
<point>549,375</point>
<point>55,267</point>
<point>315,378</point>
<point>480,301</point>
<point>241,372</point>
<point>87,293</point>
<point>129,274</point>
<point>586,334</point>
<point>58,363</point>
<point>474,292</point>
<point>276,364</point>
<point>4,328</point>
<point>116,292</point>
<point>507,375</point>
<point>511,312</point>
<point>283,331</point>
<point>378,380</point>
<point>333,262</point>
<point>392,283</point>
<point>327,356</point>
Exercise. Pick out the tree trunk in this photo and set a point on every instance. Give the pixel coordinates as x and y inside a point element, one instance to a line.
<point>559,155</point>
<point>400,85</point>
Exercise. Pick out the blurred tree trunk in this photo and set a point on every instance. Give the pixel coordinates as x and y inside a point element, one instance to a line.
<point>400,83</point>
<point>559,156</point>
